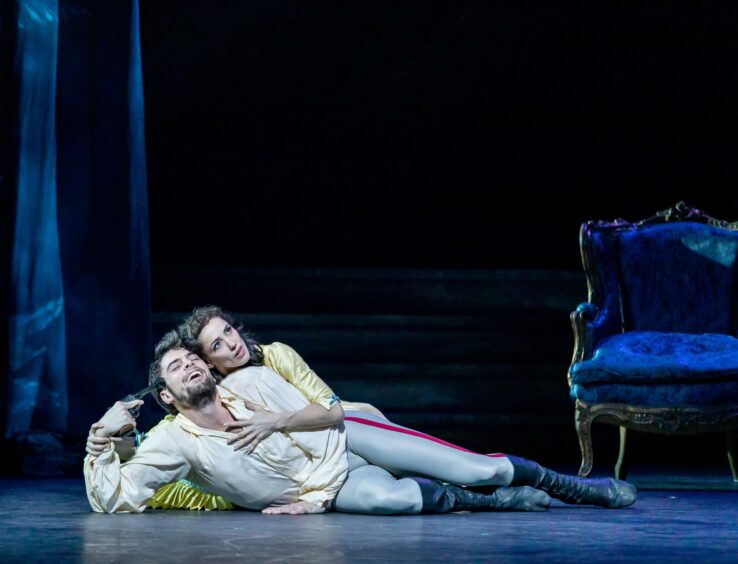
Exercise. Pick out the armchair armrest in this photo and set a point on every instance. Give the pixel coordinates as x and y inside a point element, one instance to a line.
<point>582,320</point>
<point>591,325</point>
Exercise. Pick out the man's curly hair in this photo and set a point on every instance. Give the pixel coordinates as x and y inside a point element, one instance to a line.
<point>170,341</point>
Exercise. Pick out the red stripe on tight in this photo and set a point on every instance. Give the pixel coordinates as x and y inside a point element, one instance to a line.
<point>415,434</point>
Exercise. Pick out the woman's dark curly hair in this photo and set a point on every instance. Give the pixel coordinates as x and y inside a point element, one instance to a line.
<point>189,330</point>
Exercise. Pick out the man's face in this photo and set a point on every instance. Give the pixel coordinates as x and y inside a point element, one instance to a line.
<point>188,379</point>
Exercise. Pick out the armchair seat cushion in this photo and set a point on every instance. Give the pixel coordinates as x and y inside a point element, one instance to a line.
<point>655,358</point>
<point>659,395</point>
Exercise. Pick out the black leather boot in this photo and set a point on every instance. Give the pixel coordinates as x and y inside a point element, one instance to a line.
<point>606,492</point>
<point>442,498</point>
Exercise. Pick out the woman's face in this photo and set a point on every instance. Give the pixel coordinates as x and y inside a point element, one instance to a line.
<point>222,346</point>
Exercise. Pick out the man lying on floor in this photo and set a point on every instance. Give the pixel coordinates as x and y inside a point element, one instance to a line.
<point>354,467</point>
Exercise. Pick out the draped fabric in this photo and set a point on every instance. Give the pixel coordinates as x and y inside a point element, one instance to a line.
<point>37,348</point>
<point>80,297</point>
<point>103,205</point>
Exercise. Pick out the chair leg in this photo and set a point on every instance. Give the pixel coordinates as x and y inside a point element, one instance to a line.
<point>733,452</point>
<point>621,466</point>
<point>583,422</point>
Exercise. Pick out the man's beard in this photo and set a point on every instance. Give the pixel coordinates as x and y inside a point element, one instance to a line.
<point>199,395</point>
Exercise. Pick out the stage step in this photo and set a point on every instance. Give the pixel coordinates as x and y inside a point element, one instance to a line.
<point>368,290</point>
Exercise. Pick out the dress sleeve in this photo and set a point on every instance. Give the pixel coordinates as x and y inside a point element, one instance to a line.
<point>285,361</point>
<point>115,487</point>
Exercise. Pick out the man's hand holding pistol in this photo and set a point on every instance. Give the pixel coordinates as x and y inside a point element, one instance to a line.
<point>117,422</point>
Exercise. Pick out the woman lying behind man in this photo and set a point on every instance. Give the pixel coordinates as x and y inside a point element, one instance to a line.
<point>379,450</point>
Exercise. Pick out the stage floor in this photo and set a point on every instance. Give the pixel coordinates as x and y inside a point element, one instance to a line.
<point>50,521</point>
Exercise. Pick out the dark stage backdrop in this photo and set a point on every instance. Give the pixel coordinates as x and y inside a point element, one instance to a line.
<point>461,134</point>
<point>396,188</point>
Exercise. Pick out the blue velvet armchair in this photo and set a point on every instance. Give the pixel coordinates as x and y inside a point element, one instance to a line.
<point>655,347</point>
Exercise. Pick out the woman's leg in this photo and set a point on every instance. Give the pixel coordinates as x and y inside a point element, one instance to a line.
<point>406,452</point>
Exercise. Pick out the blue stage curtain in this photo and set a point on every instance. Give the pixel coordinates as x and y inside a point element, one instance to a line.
<point>80,329</point>
<point>103,209</point>
<point>37,347</point>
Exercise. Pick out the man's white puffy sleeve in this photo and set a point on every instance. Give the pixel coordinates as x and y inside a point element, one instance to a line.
<point>115,487</point>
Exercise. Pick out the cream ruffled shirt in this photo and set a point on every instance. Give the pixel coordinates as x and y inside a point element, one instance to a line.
<point>285,467</point>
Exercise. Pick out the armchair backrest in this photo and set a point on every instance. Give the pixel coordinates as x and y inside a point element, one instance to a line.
<point>674,272</point>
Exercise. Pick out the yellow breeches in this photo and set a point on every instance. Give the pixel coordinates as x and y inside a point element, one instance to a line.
<point>182,495</point>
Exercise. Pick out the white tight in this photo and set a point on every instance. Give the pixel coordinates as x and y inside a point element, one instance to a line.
<point>372,490</point>
<point>380,450</point>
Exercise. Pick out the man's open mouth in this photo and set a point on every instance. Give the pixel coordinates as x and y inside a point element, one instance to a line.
<point>194,375</point>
